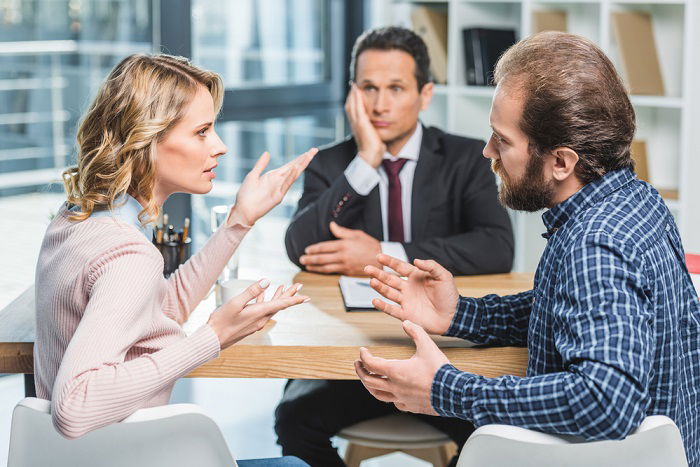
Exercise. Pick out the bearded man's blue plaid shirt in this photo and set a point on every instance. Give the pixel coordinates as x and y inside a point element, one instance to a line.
<point>612,325</point>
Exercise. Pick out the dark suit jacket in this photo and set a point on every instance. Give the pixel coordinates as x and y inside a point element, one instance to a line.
<point>456,218</point>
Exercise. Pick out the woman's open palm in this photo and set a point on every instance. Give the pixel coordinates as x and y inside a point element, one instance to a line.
<point>259,192</point>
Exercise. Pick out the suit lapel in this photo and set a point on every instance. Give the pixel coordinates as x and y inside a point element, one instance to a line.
<point>425,182</point>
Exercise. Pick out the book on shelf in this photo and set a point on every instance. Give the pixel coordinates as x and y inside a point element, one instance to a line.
<point>482,48</point>
<point>549,20</point>
<point>634,35</point>
<point>639,156</point>
<point>431,25</point>
<point>638,150</point>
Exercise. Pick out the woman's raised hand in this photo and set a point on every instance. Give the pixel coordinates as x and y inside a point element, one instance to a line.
<point>260,192</point>
<point>239,318</point>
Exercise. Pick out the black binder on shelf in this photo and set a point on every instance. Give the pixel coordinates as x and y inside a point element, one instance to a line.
<point>482,48</point>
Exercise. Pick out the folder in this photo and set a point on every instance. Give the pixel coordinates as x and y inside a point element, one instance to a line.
<point>640,61</point>
<point>431,26</point>
<point>358,294</point>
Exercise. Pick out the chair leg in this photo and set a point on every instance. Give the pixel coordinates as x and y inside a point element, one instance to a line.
<point>356,453</point>
<point>448,451</point>
<point>433,455</point>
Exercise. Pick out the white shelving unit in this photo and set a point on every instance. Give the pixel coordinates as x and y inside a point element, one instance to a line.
<point>667,123</point>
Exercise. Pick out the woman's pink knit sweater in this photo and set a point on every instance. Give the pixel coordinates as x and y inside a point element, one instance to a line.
<point>109,339</point>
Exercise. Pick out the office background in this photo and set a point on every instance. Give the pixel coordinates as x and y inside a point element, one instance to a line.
<point>284,64</point>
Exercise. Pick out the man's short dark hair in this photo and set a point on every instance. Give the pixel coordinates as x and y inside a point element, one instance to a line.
<point>394,38</point>
<point>573,98</point>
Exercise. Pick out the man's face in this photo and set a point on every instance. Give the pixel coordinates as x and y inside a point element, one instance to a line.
<point>524,185</point>
<point>389,89</point>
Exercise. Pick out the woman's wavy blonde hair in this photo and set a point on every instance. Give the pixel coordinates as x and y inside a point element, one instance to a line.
<point>143,97</point>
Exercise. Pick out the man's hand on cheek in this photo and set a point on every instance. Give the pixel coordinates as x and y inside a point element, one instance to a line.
<point>369,145</point>
<point>348,255</point>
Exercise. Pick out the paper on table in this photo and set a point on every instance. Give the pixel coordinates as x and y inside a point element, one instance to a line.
<point>358,294</point>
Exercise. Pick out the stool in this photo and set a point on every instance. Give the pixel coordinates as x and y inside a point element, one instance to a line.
<point>397,432</point>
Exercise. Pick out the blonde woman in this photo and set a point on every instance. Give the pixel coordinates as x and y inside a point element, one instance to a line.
<point>109,337</point>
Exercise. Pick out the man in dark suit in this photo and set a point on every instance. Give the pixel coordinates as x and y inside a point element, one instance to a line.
<point>394,187</point>
<point>451,214</point>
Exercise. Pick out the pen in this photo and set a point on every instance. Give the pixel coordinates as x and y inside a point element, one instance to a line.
<point>185,230</point>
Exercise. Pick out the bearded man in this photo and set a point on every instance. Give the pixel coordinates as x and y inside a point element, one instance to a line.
<point>612,325</point>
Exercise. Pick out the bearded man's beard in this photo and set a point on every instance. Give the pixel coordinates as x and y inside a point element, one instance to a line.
<point>531,193</point>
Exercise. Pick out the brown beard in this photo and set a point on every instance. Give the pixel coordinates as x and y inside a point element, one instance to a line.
<point>531,193</point>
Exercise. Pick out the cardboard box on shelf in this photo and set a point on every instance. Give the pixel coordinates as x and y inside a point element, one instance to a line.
<point>640,61</point>
<point>431,25</point>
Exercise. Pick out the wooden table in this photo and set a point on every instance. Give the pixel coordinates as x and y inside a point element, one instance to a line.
<point>316,340</point>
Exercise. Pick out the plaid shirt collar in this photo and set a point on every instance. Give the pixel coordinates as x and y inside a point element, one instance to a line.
<point>589,194</point>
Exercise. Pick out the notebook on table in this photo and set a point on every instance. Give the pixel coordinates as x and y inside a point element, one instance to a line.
<point>358,294</point>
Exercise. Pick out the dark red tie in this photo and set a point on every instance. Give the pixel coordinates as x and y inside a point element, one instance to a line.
<point>395,216</point>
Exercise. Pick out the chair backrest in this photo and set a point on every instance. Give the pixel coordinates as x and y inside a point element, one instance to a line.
<point>179,434</point>
<point>656,442</point>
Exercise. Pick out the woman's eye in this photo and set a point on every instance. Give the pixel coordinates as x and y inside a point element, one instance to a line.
<point>203,131</point>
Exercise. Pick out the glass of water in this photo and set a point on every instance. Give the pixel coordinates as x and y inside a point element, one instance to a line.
<point>219,214</point>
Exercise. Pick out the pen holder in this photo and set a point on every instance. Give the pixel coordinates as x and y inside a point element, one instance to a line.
<point>174,254</point>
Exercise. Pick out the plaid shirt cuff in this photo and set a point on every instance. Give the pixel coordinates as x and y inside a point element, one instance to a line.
<point>451,395</point>
<point>466,320</point>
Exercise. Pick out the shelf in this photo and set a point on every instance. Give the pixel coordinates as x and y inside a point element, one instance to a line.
<point>663,102</point>
<point>475,91</point>
<point>672,204</point>
<point>668,194</point>
<point>442,89</point>
<point>464,91</point>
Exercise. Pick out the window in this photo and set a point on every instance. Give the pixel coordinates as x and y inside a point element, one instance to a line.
<point>283,62</point>
<point>284,66</point>
<point>53,56</point>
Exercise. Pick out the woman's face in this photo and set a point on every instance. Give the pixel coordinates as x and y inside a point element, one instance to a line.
<point>188,153</point>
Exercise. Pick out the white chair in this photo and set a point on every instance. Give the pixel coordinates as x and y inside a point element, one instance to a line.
<point>397,432</point>
<point>171,435</point>
<point>657,442</point>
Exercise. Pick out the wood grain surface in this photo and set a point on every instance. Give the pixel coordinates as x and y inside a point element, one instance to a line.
<point>316,340</point>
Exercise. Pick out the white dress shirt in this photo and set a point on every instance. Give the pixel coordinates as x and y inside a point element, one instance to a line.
<point>126,209</point>
<point>363,178</point>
